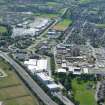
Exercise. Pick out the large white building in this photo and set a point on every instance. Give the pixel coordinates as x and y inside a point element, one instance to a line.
<point>24,31</point>
<point>48,81</point>
<point>40,23</point>
<point>35,65</point>
<point>31,28</point>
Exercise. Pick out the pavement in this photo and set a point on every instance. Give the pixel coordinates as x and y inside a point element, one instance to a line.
<point>27,78</point>
<point>97,89</point>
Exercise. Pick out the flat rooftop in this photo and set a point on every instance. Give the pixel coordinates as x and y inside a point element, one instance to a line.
<point>53,86</point>
<point>36,65</point>
<point>44,77</point>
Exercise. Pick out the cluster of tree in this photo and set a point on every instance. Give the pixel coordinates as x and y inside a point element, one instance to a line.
<point>86,77</point>
<point>64,79</point>
<point>8,28</point>
<point>53,65</point>
<point>5,37</point>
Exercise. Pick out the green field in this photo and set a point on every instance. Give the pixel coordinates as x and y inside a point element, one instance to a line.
<point>3,29</point>
<point>62,25</point>
<point>11,76</point>
<point>12,90</point>
<point>51,4</point>
<point>83,93</point>
<point>85,1</point>
<point>100,25</point>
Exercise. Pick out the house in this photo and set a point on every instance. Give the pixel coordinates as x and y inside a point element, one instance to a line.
<point>21,56</point>
<point>45,48</point>
<point>61,49</point>
<point>34,56</point>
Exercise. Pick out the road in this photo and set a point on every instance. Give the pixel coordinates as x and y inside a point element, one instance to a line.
<point>66,38</point>
<point>64,13</point>
<point>97,89</point>
<point>83,25</point>
<point>26,77</point>
<point>64,99</point>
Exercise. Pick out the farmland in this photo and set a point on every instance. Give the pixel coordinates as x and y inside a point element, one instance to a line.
<point>12,90</point>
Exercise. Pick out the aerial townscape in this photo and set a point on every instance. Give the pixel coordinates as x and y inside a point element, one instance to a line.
<point>52,52</point>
